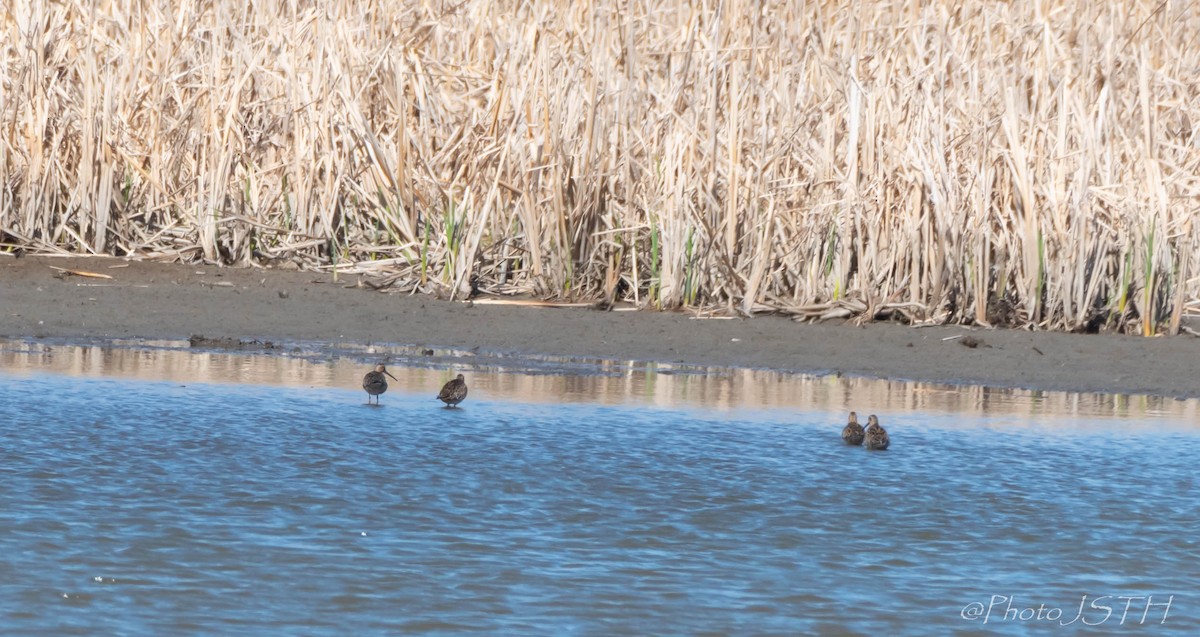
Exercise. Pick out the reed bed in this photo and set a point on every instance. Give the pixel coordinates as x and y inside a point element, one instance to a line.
<point>1030,164</point>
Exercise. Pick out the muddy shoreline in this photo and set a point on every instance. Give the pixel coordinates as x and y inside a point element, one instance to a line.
<point>172,301</point>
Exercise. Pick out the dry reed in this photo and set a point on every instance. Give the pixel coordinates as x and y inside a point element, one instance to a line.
<point>1029,163</point>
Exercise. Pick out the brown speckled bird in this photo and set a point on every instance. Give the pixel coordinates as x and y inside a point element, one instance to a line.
<point>454,391</point>
<point>877,436</point>
<point>375,383</point>
<point>852,434</point>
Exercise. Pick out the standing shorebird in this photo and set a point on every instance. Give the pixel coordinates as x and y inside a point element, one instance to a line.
<point>852,434</point>
<point>454,391</point>
<point>877,436</point>
<point>375,383</point>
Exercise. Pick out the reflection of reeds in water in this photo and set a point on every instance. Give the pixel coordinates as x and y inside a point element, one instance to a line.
<point>663,386</point>
<point>1001,162</point>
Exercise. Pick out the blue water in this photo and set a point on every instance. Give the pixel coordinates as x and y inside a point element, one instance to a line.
<point>147,508</point>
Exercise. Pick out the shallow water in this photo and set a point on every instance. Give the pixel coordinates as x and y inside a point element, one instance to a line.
<point>136,501</point>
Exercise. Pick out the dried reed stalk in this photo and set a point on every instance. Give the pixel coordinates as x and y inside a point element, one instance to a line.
<point>1026,164</point>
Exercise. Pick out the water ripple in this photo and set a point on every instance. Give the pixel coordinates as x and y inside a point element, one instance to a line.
<point>142,507</point>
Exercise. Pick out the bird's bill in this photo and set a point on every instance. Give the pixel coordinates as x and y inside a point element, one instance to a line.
<point>390,374</point>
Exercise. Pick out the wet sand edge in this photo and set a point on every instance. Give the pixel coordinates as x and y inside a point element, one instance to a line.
<point>172,301</point>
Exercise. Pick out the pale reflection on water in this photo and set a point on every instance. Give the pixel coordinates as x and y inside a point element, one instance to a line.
<point>558,380</point>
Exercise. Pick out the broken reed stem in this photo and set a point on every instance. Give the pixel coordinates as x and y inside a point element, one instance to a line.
<point>995,163</point>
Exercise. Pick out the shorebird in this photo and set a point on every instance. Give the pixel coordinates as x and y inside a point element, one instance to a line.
<point>375,383</point>
<point>454,391</point>
<point>877,436</point>
<point>852,434</point>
